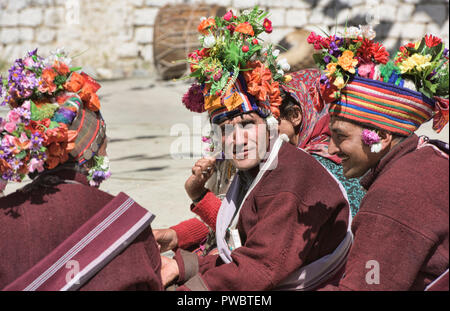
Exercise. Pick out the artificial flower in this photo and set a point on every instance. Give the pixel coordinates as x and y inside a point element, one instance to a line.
<point>209,41</point>
<point>347,62</point>
<point>267,24</point>
<point>206,25</point>
<point>416,61</point>
<point>245,28</point>
<point>339,82</point>
<point>193,99</point>
<point>331,69</point>
<point>228,16</point>
<point>432,41</point>
<point>48,77</point>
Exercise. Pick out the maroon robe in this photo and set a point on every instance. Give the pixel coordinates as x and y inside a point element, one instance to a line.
<point>402,223</point>
<point>295,215</point>
<point>33,224</point>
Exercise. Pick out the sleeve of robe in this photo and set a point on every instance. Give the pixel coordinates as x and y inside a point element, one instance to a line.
<point>275,247</point>
<point>386,253</point>
<point>192,231</point>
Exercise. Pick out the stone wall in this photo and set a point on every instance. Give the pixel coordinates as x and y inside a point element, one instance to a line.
<point>113,38</point>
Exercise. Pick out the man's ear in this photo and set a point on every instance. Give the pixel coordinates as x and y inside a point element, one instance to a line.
<point>296,117</point>
<point>386,140</point>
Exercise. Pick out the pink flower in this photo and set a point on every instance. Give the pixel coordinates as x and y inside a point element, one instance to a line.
<point>370,137</point>
<point>36,164</point>
<point>228,16</point>
<point>366,70</point>
<point>193,99</point>
<point>8,140</point>
<point>10,127</point>
<point>13,116</point>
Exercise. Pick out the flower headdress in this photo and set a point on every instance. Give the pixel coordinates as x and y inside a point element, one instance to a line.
<point>234,72</point>
<point>364,86</point>
<point>46,97</point>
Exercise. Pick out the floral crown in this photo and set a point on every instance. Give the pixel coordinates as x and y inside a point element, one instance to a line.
<point>364,85</point>
<point>44,97</point>
<point>233,71</point>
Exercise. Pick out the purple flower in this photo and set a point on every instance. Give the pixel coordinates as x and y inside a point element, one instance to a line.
<point>327,59</point>
<point>4,152</point>
<point>36,141</point>
<point>193,99</point>
<point>445,53</point>
<point>324,80</point>
<point>370,137</point>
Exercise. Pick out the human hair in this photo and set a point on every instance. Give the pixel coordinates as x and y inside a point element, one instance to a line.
<point>289,107</point>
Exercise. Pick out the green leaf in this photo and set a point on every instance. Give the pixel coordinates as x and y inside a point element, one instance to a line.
<point>21,155</point>
<point>75,69</point>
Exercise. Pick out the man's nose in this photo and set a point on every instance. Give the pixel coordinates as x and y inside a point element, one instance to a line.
<point>333,148</point>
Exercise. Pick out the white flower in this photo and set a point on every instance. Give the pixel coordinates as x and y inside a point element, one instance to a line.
<point>246,12</point>
<point>281,72</point>
<point>202,18</point>
<point>209,41</point>
<point>283,64</point>
<point>376,148</point>
<point>409,84</point>
<point>352,32</point>
<point>275,53</point>
<point>368,32</point>
<point>105,164</point>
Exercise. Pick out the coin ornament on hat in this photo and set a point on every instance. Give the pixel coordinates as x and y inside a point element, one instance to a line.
<point>54,116</point>
<point>362,85</point>
<point>234,72</point>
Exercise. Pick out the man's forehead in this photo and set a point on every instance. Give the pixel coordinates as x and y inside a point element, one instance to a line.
<point>340,125</point>
<point>241,118</point>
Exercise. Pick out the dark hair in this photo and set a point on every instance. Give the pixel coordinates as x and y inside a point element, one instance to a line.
<point>289,106</point>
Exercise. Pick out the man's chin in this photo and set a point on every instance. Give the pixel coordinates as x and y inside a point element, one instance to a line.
<point>245,164</point>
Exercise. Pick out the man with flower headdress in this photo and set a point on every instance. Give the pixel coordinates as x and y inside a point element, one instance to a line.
<point>401,230</point>
<point>275,224</point>
<point>60,232</point>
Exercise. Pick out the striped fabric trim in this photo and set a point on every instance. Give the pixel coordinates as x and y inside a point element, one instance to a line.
<point>382,105</point>
<point>92,246</point>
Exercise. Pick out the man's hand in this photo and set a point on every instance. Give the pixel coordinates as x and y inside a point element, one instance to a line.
<point>169,270</point>
<point>167,239</point>
<point>201,172</point>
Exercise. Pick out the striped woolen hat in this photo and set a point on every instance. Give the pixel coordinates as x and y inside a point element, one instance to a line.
<point>384,106</point>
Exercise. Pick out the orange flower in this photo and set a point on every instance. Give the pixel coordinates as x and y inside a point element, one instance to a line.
<point>245,28</point>
<point>347,62</point>
<point>4,166</point>
<point>205,25</point>
<point>87,93</point>
<point>331,69</point>
<point>48,76</point>
<point>61,68</point>
<point>75,82</point>
<point>258,80</point>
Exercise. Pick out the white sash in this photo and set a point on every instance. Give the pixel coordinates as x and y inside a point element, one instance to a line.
<point>305,278</point>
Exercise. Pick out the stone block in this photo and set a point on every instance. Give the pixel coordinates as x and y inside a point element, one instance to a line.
<point>31,17</point>
<point>54,17</point>
<point>434,13</point>
<point>26,34</point>
<point>413,30</point>
<point>143,35</point>
<point>128,50</point>
<point>9,18</point>
<point>296,18</point>
<point>45,35</point>
<point>405,12</point>
<point>9,35</point>
<point>145,17</point>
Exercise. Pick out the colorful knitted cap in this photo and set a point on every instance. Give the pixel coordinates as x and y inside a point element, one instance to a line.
<point>363,86</point>
<point>54,116</point>
<point>234,73</point>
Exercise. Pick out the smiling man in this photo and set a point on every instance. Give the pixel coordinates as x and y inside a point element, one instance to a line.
<point>276,223</point>
<point>401,230</point>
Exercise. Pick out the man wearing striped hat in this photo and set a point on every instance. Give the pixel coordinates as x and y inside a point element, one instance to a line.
<point>402,229</point>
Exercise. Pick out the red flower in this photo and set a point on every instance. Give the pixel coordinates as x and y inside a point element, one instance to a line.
<point>370,49</point>
<point>61,68</point>
<point>318,41</point>
<point>245,48</point>
<point>431,41</point>
<point>267,24</point>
